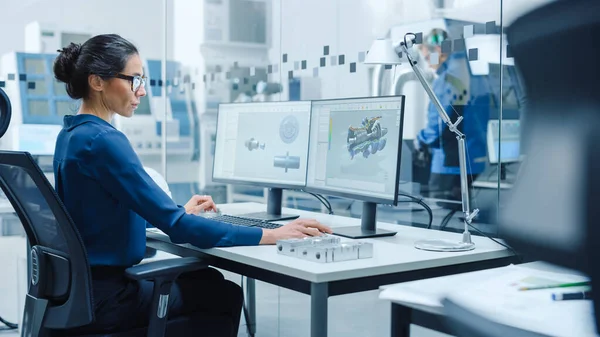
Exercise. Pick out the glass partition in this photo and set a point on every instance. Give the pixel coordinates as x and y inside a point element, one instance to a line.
<point>200,53</point>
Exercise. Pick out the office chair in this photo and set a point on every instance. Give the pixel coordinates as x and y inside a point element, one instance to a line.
<point>465,323</point>
<point>60,293</point>
<point>555,48</point>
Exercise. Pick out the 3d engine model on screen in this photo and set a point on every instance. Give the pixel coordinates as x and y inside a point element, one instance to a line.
<point>367,139</point>
<point>287,162</point>
<point>253,144</point>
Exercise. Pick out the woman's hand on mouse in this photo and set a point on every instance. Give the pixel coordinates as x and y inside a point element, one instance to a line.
<point>297,229</point>
<point>199,204</point>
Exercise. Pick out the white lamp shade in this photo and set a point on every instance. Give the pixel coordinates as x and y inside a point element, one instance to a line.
<point>382,52</point>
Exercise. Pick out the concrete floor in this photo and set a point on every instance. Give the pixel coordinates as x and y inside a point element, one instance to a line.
<point>280,312</point>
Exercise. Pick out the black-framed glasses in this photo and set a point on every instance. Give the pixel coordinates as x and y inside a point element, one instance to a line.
<point>136,81</point>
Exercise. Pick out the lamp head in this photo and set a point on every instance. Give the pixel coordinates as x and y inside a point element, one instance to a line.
<point>382,51</point>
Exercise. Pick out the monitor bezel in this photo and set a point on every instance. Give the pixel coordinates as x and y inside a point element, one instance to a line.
<point>259,183</point>
<point>355,195</point>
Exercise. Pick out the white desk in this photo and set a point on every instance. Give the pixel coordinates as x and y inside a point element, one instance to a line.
<point>395,260</point>
<point>492,185</point>
<point>420,302</point>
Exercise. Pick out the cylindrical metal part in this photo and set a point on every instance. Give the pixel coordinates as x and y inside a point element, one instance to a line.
<point>287,162</point>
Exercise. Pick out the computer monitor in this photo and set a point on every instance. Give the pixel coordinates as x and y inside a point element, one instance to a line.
<point>508,147</point>
<point>354,152</point>
<point>263,144</point>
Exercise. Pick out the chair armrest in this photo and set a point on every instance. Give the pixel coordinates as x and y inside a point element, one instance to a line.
<point>165,269</point>
<point>163,273</point>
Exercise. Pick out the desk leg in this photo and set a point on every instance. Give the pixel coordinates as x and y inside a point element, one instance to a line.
<point>251,305</point>
<point>400,321</point>
<point>319,295</point>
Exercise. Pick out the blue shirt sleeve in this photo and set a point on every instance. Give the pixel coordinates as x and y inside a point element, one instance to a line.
<point>431,133</point>
<point>117,167</point>
<point>445,92</point>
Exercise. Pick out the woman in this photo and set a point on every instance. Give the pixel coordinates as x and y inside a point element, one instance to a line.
<point>110,196</point>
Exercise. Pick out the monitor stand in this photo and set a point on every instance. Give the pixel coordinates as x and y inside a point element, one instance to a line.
<point>273,212</point>
<point>367,227</point>
<point>502,171</point>
<point>494,177</point>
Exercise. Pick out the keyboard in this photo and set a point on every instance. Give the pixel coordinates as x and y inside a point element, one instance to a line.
<point>248,222</point>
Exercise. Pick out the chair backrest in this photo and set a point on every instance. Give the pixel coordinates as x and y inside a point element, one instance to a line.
<point>159,180</point>
<point>65,273</point>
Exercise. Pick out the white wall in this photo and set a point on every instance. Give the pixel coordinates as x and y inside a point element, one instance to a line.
<point>140,21</point>
<point>188,31</point>
<point>188,35</point>
<point>348,27</point>
<point>309,25</point>
<point>472,9</point>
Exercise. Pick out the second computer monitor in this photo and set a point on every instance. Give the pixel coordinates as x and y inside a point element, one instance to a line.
<point>507,146</point>
<point>264,144</point>
<point>354,152</point>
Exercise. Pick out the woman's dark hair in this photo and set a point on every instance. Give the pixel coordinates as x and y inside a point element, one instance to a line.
<point>102,55</point>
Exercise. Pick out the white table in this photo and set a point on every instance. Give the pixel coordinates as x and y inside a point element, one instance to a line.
<point>421,302</point>
<point>395,260</point>
<point>492,185</point>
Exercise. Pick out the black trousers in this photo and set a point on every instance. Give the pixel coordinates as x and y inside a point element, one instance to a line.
<point>122,304</point>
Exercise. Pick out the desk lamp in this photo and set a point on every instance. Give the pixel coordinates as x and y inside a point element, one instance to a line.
<point>384,52</point>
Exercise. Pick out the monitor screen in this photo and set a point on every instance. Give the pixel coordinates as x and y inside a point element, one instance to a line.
<point>509,145</point>
<point>355,148</point>
<point>262,143</point>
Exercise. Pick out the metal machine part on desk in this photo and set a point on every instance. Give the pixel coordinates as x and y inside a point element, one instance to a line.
<point>325,249</point>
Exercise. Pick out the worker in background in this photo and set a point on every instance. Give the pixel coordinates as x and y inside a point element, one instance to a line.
<point>110,197</point>
<point>461,94</point>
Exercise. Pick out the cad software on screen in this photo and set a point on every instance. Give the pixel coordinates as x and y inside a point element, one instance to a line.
<point>354,146</point>
<point>263,143</point>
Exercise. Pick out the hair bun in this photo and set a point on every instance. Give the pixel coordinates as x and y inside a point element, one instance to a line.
<point>64,66</point>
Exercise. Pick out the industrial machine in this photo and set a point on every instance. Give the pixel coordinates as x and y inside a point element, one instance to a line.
<point>46,38</point>
<point>39,103</point>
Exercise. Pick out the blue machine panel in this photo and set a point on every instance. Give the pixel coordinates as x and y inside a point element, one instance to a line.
<point>179,109</point>
<point>154,75</point>
<point>46,101</point>
<point>176,96</point>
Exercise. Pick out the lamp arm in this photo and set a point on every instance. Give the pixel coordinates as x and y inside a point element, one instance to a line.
<point>436,102</point>
<point>460,137</point>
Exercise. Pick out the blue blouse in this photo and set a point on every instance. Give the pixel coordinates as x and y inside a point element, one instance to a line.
<point>110,197</point>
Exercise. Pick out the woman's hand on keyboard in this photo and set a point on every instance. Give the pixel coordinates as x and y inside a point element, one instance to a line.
<point>199,204</point>
<point>297,229</point>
